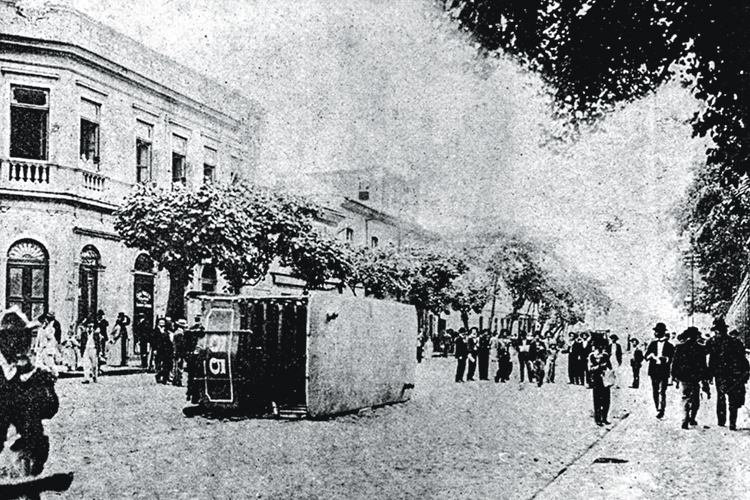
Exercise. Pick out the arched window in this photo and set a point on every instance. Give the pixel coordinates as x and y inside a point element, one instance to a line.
<point>144,264</point>
<point>143,303</point>
<point>27,280</point>
<point>208,279</point>
<point>88,283</point>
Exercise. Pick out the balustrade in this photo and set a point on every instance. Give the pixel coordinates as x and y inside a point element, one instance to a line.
<point>93,181</point>
<point>36,177</point>
<point>27,172</point>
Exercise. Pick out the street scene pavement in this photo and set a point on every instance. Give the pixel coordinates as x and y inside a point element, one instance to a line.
<point>126,437</point>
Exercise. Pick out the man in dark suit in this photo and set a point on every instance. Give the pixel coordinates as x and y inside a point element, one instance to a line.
<point>635,363</point>
<point>659,355</point>
<point>461,353</point>
<point>689,368</point>
<point>727,364</point>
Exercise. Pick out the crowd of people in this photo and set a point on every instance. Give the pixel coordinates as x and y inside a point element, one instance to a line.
<point>691,362</point>
<point>90,344</point>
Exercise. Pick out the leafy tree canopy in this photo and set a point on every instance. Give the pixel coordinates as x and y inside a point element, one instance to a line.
<point>240,229</point>
<point>594,54</point>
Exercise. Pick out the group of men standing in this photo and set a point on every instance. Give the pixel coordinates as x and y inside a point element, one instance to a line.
<point>694,364</point>
<point>536,357</point>
<point>581,347</point>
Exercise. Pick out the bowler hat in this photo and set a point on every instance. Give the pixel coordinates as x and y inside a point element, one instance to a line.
<point>691,333</point>
<point>719,325</point>
<point>660,327</point>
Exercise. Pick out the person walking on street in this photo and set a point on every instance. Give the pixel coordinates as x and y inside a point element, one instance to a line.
<point>495,354</point>
<point>588,347</point>
<point>461,353</point>
<point>538,357</point>
<point>689,368</point>
<point>102,325</point>
<point>552,350</point>
<point>600,369</point>
<point>728,366</point>
<point>89,343</point>
<point>472,346</point>
<point>504,361</point>
<point>70,348</point>
<point>57,329</point>
<point>483,354</point>
<point>46,348</point>
<point>615,351</point>
<point>163,351</point>
<point>120,333</point>
<point>524,362</point>
<point>178,343</point>
<point>572,358</point>
<point>577,359</point>
<point>635,363</point>
<point>659,355</point>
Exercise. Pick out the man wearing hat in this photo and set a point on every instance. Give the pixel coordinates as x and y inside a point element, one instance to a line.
<point>727,364</point>
<point>659,355</point>
<point>27,393</point>
<point>56,328</point>
<point>689,367</point>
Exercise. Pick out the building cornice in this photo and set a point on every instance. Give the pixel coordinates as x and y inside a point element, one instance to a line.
<point>72,52</point>
<point>65,198</point>
<point>94,233</point>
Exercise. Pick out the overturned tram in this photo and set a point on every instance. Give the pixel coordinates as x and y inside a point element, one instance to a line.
<point>312,356</point>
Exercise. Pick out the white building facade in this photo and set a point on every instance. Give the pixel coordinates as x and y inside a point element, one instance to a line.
<point>87,114</point>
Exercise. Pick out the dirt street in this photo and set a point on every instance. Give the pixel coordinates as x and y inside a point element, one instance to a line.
<point>126,437</point>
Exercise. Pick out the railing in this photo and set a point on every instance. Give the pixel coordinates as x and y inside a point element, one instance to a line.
<point>21,171</point>
<point>40,177</point>
<point>93,181</point>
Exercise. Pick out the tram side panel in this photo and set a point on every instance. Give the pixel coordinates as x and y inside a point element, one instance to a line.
<point>360,353</point>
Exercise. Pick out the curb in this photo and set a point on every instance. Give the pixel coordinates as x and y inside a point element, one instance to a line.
<point>104,373</point>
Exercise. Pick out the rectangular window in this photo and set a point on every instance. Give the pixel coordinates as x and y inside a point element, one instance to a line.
<point>349,234</point>
<point>29,112</point>
<point>179,165</point>
<point>89,149</point>
<point>209,165</point>
<point>143,142</point>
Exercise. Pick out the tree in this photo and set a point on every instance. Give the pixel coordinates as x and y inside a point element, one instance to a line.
<point>277,226</point>
<point>596,54</point>
<point>470,292</point>
<point>716,218</point>
<point>383,272</point>
<point>181,229</point>
<point>317,259</point>
<point>240,229</point>
<point>517,263</point>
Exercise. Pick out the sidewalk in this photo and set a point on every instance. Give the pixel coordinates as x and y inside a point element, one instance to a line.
<point>657,459</point>
<point>105,371</point>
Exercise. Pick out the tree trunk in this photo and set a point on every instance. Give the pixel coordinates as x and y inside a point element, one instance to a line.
<point>465,319</point>
<point>494,299</point>
<point>420,321</point>
<point>178,281</point>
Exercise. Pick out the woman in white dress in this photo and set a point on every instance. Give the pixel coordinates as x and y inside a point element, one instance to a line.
<point>46,346</point>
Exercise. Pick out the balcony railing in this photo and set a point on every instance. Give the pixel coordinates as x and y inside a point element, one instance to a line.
<point>48,178</point>
<point>20,171</point>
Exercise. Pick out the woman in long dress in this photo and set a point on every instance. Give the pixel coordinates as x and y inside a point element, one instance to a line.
<point>118,339</point>
<point>46,346</point>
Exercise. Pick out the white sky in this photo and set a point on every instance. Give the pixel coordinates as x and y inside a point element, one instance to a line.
<point>364,83</point>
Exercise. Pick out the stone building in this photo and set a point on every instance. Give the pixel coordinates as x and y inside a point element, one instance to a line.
<point>89,113</point>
